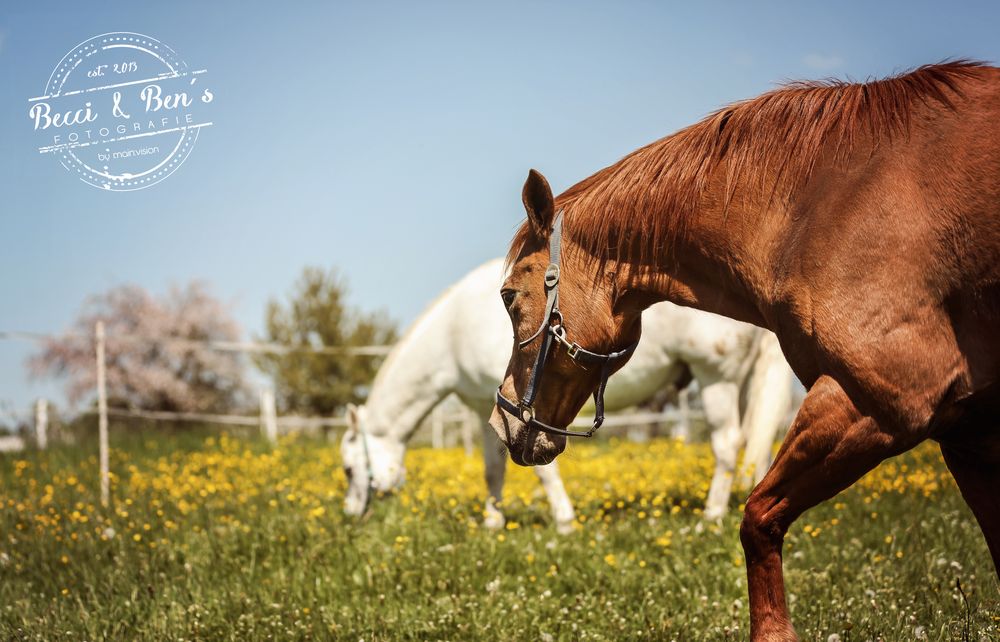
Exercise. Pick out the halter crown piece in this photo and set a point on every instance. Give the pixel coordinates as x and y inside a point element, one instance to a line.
<point>552,329</point>
<point>369,471</point>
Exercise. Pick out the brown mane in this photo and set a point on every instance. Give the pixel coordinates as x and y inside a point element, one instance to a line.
<point>779,134</point>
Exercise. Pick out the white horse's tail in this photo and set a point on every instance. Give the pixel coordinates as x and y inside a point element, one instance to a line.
<point>768,399</point>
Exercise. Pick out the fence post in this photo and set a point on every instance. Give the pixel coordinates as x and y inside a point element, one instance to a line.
<point>102,416</point>
<point>42,424</point>
<point>268,415</point>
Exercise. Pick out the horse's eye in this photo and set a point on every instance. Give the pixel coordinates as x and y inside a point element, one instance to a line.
<point>508,297</point>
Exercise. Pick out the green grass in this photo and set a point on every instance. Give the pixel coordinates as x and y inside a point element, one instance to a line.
<point>239,543</point>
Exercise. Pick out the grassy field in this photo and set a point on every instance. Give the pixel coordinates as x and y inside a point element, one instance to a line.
<point>226,539</point>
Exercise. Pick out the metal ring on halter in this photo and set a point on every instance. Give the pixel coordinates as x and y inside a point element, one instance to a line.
<point>559,334</point>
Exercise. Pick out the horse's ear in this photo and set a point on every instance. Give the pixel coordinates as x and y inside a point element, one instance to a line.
<point>538,202</point>
<point>351,416</point>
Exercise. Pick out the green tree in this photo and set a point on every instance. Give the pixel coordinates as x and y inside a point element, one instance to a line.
<point>317,315</point>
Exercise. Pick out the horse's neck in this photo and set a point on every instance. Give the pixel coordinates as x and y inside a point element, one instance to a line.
<point>720,264</point>
<point>417,375</point>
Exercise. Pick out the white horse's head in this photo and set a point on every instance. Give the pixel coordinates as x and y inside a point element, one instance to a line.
<point>372,463</point>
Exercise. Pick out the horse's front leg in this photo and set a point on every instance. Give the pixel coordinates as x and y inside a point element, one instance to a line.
<point>562,507</point>
<point>722,411</point>
<point>829,446</point>
<point>495,461</point>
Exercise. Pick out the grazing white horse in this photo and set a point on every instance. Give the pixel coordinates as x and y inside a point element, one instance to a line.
<point>461,345</point>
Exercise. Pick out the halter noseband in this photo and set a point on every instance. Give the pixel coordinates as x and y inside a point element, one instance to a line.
<point>552,329</point>
<point>369,471</point>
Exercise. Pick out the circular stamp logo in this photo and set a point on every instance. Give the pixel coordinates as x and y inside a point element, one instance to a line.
<point>122,111</point>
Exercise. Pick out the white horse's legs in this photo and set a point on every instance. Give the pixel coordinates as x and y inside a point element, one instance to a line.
<point>495,460</point>
<point>768,393</point>
<point>761,466</point>
<point>562,507</point>
<point>722,411</point>
<point>682,429</point>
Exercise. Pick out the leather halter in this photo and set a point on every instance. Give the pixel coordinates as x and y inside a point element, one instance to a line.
<point>552,329</point>
<point>369,471</point>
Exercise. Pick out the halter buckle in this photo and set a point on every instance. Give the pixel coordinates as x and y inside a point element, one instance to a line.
<point>572,347</point>
<point>527,413</point>
<point>551,276</point>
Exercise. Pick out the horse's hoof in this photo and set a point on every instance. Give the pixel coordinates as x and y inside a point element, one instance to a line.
<point>714,514</point>
<point>566,528</point>
<point>494,521</point>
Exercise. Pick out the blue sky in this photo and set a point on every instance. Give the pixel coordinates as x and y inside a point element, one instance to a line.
<point>391,139</point>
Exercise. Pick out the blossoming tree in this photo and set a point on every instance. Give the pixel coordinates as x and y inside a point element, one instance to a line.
<point>156,354</point>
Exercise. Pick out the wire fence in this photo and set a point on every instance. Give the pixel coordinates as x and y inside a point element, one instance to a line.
<point>251,347</point>
<point>268,421</point>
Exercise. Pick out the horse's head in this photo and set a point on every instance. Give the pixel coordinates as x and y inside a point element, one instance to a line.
<point>372,462</point>
<point>569,325</point>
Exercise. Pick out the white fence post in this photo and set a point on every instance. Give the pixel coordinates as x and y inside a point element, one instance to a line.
<point>102,416</point>
<point>42,424</point>
<point>268,415</point>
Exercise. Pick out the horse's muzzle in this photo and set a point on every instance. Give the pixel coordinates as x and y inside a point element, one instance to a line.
<point>526,446</point>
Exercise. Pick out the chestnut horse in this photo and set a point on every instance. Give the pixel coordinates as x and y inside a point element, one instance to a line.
<point>858,222</point>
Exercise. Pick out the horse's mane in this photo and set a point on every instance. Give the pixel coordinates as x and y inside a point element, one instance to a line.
<point>637,206</point>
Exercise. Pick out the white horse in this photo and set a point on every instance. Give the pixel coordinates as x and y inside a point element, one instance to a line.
<point>461,345</point>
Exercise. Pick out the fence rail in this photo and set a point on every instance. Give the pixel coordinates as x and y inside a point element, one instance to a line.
<point>259,347</point>
<point>287,421</point>
<point>299,421</point>
<point>267,420</point>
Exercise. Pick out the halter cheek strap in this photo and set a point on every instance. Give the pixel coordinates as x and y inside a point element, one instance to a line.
<point>369,471</point>
<point>552,330</point>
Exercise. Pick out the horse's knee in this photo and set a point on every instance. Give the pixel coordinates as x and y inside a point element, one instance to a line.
<point>726,444</point>
<point>760,531</point>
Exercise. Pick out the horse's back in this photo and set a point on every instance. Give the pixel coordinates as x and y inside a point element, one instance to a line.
<point>479,330</point>
<point>891,271</point>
